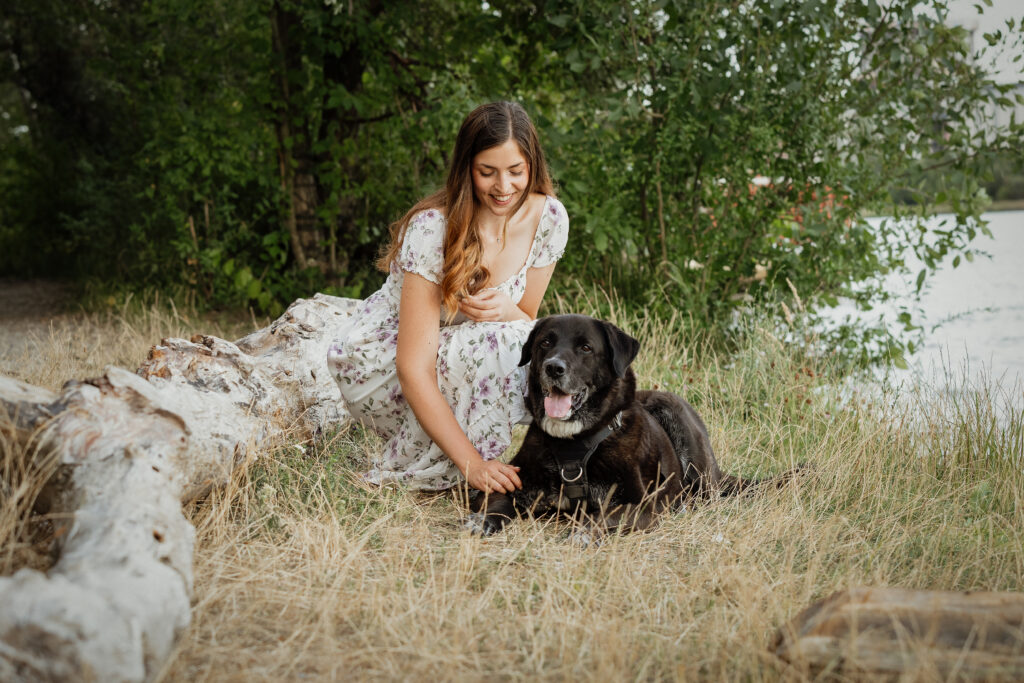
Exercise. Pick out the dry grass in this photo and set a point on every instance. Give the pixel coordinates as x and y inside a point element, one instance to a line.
<point>46,352</point>
<point>26,530</point>
<point>76,344</point>
<point>302,572</point>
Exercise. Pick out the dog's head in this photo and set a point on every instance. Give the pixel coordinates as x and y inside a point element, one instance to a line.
<point>575,361</point>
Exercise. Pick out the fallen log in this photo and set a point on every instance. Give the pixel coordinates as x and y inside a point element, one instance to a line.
<point>132,447</point>
<point>893,633</point>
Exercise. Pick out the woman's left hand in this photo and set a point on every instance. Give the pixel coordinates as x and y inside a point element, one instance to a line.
<point>490,305</point>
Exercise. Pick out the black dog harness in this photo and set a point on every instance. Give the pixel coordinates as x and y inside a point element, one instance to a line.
<point>572,460</point>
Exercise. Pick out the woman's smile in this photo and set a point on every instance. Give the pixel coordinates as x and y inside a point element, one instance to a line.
<point>500,176</point>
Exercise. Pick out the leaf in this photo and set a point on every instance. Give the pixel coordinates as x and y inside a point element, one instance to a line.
<point>920,278</point>
<point>576,63</point>
<point>242,278</point>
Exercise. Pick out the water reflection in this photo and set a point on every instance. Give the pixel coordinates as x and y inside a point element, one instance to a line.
<point>974,314</point>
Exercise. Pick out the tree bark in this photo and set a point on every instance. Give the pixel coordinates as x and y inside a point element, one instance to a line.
<point>294,164</point>
<point>133,447</point>
<point>892,633</point>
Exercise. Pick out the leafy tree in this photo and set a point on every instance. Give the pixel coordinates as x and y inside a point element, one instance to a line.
<point>712,154</point>
<point>831,105</point>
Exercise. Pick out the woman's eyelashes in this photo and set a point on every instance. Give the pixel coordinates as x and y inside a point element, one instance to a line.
<point>514,174</point>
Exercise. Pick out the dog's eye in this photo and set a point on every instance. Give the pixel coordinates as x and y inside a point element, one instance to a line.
<point>586,348</point>
<point>545,343</point>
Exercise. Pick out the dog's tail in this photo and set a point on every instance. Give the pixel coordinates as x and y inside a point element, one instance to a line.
<point>728,485</point>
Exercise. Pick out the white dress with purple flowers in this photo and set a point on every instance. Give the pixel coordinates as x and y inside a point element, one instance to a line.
<point>477,362</point>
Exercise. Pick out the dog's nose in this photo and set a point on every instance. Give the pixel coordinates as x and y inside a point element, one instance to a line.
<point>554,367</point>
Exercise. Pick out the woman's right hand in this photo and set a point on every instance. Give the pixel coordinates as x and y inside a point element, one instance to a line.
<point>493,476</point>
<point>491,305</point>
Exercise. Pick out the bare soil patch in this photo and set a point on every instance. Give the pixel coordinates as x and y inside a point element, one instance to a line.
<point>28,309</point>
<point>47,338</point>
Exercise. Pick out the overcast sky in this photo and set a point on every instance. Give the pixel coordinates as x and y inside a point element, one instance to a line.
<point>963,12</point>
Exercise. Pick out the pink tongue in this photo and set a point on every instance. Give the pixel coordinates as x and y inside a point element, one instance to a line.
<point>557,405</point>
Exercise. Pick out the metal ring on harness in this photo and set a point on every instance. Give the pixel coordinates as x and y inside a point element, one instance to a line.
<point>566,479</point>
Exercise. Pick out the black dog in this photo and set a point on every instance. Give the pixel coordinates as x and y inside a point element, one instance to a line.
<point>601,451</point>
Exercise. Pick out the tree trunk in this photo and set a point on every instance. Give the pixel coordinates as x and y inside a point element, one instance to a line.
<point>892,633</point>
<point>133,447</point>
<point>295,160</point>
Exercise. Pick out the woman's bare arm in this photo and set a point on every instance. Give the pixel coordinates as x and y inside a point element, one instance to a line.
<point>491,305</point>
<point>418,334</point>
<point>537,280</point>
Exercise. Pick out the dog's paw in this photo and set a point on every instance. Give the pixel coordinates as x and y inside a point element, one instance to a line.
<point>585,538</point>
<point>479,525</point>
<point>475,524</point>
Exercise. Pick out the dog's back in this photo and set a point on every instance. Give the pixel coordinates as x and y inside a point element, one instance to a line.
<point>701,473</point>
<point>689,439</point>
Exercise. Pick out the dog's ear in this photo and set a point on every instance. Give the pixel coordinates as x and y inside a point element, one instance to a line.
<point>622,348</point>
<point>528,346</point>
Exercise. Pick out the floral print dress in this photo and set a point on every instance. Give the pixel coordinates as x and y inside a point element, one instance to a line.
<point>477,362</point>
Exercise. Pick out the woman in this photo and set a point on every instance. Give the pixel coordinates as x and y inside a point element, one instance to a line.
<point>431,359</point>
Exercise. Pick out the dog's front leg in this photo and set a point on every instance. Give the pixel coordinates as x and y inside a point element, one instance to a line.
<point>620,519</point>
<point>491,512</point>
<point>640,513</point>
<point>624,519</point>
<point>629,517</point>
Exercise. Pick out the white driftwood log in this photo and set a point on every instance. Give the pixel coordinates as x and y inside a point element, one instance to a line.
<point>898,634</point>
<point>133,447</point>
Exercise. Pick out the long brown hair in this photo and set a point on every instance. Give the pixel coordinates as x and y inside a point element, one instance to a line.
<point>487,126</point>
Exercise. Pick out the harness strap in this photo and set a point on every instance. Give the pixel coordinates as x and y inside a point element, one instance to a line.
<point>572,462</point>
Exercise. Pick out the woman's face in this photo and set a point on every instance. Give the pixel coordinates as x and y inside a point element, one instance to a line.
<point>500,176</point>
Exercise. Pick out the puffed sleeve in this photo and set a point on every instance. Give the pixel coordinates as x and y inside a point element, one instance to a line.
<point>422,249</point>
<point>552,234</point>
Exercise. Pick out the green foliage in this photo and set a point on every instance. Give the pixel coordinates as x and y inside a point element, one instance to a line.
<point>712,155</point>
<point>826,105</point>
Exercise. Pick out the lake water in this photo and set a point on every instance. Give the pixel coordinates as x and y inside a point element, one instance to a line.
<point>973,315</point>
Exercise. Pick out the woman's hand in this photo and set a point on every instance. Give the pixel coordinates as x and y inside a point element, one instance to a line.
<point>490,305</point>
<point>493,476</point>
